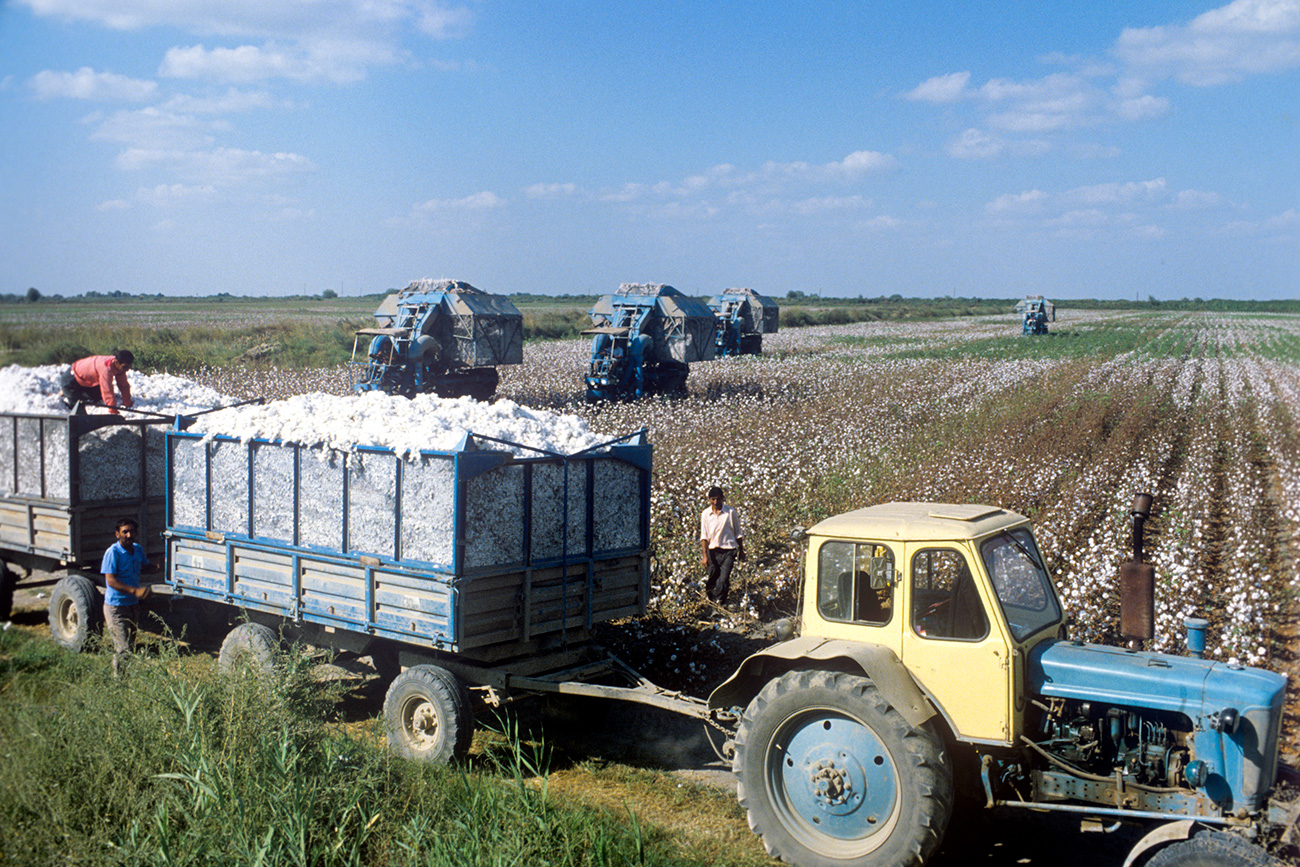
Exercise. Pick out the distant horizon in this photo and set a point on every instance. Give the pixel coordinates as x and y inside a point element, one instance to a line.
<point>10,299</point>
<point>1106,151</point>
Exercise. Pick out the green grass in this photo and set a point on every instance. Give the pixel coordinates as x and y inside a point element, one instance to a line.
<point>173,764</point>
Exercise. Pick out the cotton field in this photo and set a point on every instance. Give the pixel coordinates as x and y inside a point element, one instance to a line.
<point>1198,409</point>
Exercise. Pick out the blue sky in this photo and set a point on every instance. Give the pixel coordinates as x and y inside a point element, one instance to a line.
<point>262,147</point>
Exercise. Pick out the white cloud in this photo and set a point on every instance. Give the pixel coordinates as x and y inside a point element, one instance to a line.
<point>1195,199</point>
<point>1284,220</point>
<point>1143,107</point>
<point>88,84</point>
<point>335,61</point>
<point>1027,202</point>
<point>230,102</point>
<point>852,167</point>
<point>113,205</point>
<point>166,195</point>
<point>883,222</point>
<point>826,204</point>
<point>940,88</point>
<point>976,144</point>
<point>484,201</point>
<point>443,22</point>
<point>550,191</point>
<point>265,18</point>
<point>301,40</point>
<point>220,167</point>
<point>155,129</point>
<point>1245,37</point>
<point>1081,217</point>
<point>1115,192</point>
<point>1241,38</point>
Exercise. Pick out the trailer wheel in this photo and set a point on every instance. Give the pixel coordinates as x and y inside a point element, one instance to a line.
<point>831,774</point>
<point>251,645</point>
<point>427,715</point>
<point>1212,849</point>
<point>75,611</point>
<point>7,581</point>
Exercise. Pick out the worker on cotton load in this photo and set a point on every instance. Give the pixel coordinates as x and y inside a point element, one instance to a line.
<point>721,545</point>
<point>91,379</point>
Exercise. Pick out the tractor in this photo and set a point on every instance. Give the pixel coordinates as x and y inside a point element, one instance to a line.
<point>932,660</point>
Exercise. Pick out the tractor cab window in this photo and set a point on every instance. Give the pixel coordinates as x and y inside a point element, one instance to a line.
<point>1021,583</point>
<point>945,602</point>
<point>855,582</point>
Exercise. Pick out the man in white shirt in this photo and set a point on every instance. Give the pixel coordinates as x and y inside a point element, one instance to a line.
<point>721,545</point>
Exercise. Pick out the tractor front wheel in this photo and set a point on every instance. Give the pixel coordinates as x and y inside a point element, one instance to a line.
<point>1212,849</point>
<point>832,776</point>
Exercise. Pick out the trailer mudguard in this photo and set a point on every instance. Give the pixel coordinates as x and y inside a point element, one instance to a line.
<point>875,661</point>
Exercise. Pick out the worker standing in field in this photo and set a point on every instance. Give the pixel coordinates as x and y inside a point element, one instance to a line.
<point>721,545</point>
<point>124,562</point>
<point>91,380</point>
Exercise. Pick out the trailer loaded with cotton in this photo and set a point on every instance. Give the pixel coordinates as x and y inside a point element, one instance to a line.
<point>65,481</point>
<point>441,337</point>
<point>484,565</point>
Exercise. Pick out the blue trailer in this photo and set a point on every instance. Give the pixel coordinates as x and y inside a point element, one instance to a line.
<point>487,565</point>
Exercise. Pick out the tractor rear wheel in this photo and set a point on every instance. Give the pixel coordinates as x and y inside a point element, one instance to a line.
<point>75,611</point>
<point>427,715</point>
<point>1212,849</point>
<point>832,776</point>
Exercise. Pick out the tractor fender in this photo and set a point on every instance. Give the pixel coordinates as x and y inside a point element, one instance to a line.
<point>1169,832</point>
<point>876,661</point>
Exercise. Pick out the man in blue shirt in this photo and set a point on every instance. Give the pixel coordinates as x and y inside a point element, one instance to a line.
<point>124,563</point>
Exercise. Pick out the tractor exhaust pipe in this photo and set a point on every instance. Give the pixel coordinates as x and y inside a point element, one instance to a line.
<point>1137,583</point>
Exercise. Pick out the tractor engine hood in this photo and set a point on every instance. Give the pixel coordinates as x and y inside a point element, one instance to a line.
<point>1234,713</point>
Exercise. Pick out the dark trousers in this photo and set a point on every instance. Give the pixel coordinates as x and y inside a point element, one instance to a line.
<point>73,391</point>
<point>719,581</point>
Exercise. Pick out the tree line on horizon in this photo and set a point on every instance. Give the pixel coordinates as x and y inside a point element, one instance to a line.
<point>954,305</point>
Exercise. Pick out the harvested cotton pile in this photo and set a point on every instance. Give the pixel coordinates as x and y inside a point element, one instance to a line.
<point>404,425</point>
<point>35,391</point>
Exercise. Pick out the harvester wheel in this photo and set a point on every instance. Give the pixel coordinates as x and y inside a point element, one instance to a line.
<point>251,645</point>
<point>831,774</point>
<point>1212,849</point>
<point>75,611</point>
<point>427,715</point>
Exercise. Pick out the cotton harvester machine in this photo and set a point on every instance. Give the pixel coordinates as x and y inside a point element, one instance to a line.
<point>744,316</point>
<point>1035,312</point>
<point>643,337</point>
<point>439,336</point>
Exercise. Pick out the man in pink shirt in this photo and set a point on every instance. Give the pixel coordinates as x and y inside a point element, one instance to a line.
<point>721,545</point>
<point>90,380</point>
